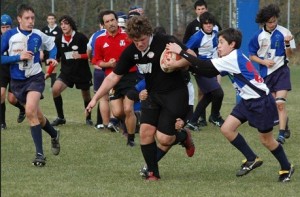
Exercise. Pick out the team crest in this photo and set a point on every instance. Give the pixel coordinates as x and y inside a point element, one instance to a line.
<point>122,43</point>
<point>150,55</point>
<point>54,32</point>
<point>136,56</point>
<point>74,47</point>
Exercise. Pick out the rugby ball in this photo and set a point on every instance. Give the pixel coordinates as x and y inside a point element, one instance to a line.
<point>168,55</point>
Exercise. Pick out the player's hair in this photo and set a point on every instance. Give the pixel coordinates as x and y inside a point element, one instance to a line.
<point>70,20</point>
<point>138,26</point>
<point>160,30</point>
<point>51,14</point>
<point>232,35</point>
<point>106,12</point>
<point>200,3</point>
<point>23,8</point>
<point>266,13</point>
<point>207,17</point>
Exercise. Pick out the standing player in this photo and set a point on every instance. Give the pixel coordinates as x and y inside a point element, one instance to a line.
<point>52,29</point>
<point>257,105</point>
<point>6,23</point>
<point>160,110</point>
<point>270,47</point>
<point>205,41</point>
<point>75,69</point>
<point>23,44</point>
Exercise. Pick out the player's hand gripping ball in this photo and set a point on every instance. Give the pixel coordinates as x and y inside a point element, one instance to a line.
<point>168,55</point>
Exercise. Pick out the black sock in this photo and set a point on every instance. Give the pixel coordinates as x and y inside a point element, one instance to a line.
<point>59,106</point>
<point>85,105</point>
<point>280,155</point>
<point>150,153</point>
<point>180,136</point>
<point>160,154</point>
<point>240,143</point>
<point>53,78</point>
<point>99,117</point>
<point>50,129</point>
<point>130,137</point>
<point>21,107</point>
<point>2,113</point>
<point>36,133</point>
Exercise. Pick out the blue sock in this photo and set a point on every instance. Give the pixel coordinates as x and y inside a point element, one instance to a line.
<point>240,143</point>
<point>50,129</point>
<point>280,155</point>
<point>36,133</point>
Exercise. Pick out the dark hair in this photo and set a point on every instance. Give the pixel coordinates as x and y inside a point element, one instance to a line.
<point>207,17</point>
<point>51,14</point>
<point>106,12</point>
<point>22,8</point>
<point>138,26</point>
<point>200,3</point>
<point>69,20</point>
<point>232,35</point>
<point>266,13</point>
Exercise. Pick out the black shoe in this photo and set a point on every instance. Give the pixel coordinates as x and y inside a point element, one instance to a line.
<point>89,122</point>
<point>248,166</point>
<point>112,127</point>
<point>202,123</point>
<point>285,175</point>
<point>21,117</point>
<point>144,171</point>
<point>281,139</point>
<point>3,126</point>
<point>55,146</point>
<point>130,143</point>
<point>287,134</point>
<point>216,121</point>
<point>192,126</point>
<point>39,160</point>
<point>58,121</point>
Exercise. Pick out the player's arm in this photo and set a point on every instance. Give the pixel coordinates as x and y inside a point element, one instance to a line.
<point>200,67</point>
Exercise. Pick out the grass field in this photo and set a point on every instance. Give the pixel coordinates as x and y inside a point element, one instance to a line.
<point>94,163</point>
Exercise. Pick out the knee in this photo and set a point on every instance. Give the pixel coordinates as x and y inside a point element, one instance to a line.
<point>280,102</point>
<point>166,141</point>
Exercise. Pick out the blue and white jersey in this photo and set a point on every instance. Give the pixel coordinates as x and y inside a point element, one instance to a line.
<point>205,43</point>
<point>244,76</point>
<point>271,46</point>
<point>92,40</point>
<point>15,41</point>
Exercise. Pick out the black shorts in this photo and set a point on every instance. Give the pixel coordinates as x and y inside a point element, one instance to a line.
<point>4,76</point>
<point>70,81</point>
<point>20,88</point>
<point>161,110</point>
<point>126,83</point>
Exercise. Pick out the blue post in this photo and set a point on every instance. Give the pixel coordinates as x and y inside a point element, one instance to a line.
<point>246,11</point>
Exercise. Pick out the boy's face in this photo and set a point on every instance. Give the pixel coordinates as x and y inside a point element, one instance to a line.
<point>26,21</point>
<point>208,27</point>
<point>51,20</point>
<point>4,28</point>
<point>66,27</point>
<point>224,48</point>
<point>271,23</point>
<point>200,10</point>
<point>141,43</point>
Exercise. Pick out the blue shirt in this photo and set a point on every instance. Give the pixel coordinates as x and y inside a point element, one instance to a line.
<point>15,41</point>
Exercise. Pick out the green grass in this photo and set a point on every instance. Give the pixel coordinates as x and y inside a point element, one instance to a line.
<point>94,163</point>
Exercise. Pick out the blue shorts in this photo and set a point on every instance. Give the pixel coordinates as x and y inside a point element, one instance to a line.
<point>20,88</point>
<point>206,84</point>
<point>279,79</point>
<point>261,113</point>
<point>99,76</point>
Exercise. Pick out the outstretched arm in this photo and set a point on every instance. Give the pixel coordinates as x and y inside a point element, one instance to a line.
<point>200,67</point>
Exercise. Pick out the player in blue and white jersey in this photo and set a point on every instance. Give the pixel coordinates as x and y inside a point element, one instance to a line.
<point>6,24</point>
<point>205,41</point>
<point>270,47</point>
<point>257,105</point>
<point>23,44</point>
